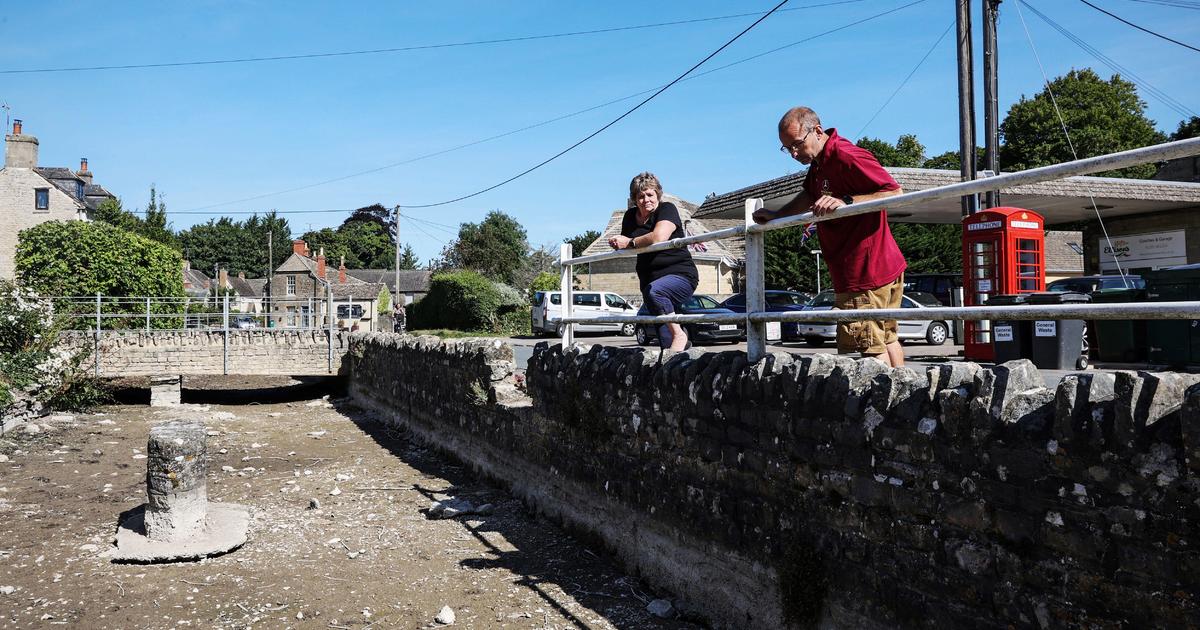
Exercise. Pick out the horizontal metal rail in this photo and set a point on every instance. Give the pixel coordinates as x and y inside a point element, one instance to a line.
<point>1141,310</point>
<point>1112,161</point>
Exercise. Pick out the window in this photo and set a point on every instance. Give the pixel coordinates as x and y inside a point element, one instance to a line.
<point>291,316</point>
<point>703,301</point>
<point>291,285</point>
<point>586,299</point>
<point>78,189</point>
<point>615,301</point>
<point>556,298</point>
<point>737,300</point>
<point>347,311</point>
<point>537,298</point>
<point>41,198</point>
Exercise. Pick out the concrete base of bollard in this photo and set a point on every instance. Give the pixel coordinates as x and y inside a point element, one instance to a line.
<point>166,391</point>
<point>224,530</point>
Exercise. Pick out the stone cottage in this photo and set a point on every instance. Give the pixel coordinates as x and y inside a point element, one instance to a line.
<point>32,194</point>
<point>297,294</point>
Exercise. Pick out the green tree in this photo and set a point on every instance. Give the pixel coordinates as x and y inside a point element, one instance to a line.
<point>495,247</point>
<point>580,242</point>
<point>906,153</point>
<point>788,264</point>
<point>545,281</point>
<point>1189,128</point>
<point>257,229</point>
<point>1102,117</point>
<point>111,212</point>
<point>930,248</point>
<point>237,245</point>
<point>950,160</point>
<point>155,226</point>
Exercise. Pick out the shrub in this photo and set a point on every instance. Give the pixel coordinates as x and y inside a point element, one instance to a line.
<point>82,258</point>
<point>460,300</point>
<point>545,281</point>
<point>514,321</point>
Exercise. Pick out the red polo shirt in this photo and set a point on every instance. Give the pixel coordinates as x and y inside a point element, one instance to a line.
<point>860,250</point>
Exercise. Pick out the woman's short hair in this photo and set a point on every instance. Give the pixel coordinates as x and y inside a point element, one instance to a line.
<point>644,181</point>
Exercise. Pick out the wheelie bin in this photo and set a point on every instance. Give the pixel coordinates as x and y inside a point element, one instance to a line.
<point>1059,344</point>
<point>1119,340</point>
<point>1173,342</point>
<point>1011,338</point>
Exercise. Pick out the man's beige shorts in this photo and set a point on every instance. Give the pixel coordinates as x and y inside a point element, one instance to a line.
<point>869,337</point>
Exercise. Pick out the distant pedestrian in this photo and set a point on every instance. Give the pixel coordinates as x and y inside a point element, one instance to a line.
<point>399,318</point>
<point>864,260</point>
<point>667,278</point>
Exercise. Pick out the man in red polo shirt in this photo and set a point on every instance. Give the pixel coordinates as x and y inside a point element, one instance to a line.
<point>864,260</point>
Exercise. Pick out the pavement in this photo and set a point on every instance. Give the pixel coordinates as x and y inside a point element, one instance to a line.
<point>916,354</point>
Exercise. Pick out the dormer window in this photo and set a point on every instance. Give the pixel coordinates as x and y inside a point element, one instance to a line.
<point>79,190</point>
<point>41,198</point>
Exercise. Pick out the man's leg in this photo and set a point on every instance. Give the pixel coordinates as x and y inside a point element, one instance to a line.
<point>895,354</point>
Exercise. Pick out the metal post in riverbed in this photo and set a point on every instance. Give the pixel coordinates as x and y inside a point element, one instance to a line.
<point>147,314</point>
<point>564,290</point>
<point>96,353</point>
<point>329,309</point>
<point>225,350</point>
<point>756,332</point>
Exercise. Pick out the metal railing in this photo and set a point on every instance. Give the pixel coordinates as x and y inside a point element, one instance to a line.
<point>757,316</point>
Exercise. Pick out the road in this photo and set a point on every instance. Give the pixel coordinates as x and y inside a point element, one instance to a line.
<point>917,355</point>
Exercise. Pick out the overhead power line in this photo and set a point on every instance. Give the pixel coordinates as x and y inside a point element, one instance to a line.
<point>1182,4</point>
<point>830,31</point>
<point>1167,99</point>
<point>905,81</point>
<point>399,49</point>
<point>1140,28</point>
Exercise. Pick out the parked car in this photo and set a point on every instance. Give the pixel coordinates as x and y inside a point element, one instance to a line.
<point>547,310</point>
<point>244,322</point>
<point>1087,284</point>
<point>709,332</point>
<point>941,285</point>
<point>933,331</point>
<point>777,301</point>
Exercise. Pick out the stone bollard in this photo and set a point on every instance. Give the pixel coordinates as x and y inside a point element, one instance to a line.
<point>165,391</point>
<point>176,465</point>
<point>177,522</point>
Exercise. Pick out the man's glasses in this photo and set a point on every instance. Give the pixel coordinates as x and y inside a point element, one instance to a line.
<point>795,148</point>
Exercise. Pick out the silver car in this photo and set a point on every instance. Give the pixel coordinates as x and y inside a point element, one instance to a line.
<point>932,331</point>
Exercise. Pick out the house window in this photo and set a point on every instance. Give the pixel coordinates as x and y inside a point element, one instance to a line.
<point>291,285</point>
<point>291,316</point>
<point>78,190</point>
<point>41,198</point>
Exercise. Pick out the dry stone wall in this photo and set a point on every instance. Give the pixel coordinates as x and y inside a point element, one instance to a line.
<point>263,352</point>
<point>833,491</point>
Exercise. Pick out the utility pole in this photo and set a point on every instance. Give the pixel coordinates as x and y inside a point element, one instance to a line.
<point>991,108</point>
<point>270,274</point>
<point>966,103</point>
<point>396,287</point>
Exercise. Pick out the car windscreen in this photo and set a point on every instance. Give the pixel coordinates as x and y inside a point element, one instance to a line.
<point>925,299</point>
<point>822,299</point>
<point>785,299</point>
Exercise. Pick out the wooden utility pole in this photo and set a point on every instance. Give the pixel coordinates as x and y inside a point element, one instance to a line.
<point>966,103</point>
<point>991,108</point>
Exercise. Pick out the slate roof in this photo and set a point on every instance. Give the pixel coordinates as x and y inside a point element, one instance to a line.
<point>198,280</point>
<point>357,290</point>
<point>94,195</point>
<point>247,287</point>
<point>62,179</point>
<point>715,249</point>
<point>1060,258</point>
<point>411,280</point>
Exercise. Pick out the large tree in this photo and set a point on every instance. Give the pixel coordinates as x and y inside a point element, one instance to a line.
<point>1189,128</point>
<point>580,242</point>
<point>153,226</point>
<point>496,247</point>
<point>908,152</point>
<point>1102,117</point>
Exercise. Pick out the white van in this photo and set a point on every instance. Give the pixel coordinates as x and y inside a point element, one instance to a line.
<point>547,309</point>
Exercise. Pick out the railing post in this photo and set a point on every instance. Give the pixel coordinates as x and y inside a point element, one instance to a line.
<point>564,286</point>
<point>225,349</point>
<point>756,332</point>
<point>329,308</point>
<point>147,314</point>
<point>96,352</point>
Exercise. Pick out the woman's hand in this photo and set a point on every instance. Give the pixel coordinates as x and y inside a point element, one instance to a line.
<point>619,242</point>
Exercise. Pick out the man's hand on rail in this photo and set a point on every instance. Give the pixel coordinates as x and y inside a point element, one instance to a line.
<point>826,204</point>
<point>762,215</point>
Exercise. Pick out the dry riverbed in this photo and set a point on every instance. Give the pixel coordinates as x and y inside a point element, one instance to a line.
<point>341,535</point>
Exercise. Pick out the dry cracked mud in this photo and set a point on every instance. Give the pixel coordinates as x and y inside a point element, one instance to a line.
<point>368,557</point>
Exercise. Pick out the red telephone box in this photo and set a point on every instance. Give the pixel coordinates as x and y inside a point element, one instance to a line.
<point>1003,253</point>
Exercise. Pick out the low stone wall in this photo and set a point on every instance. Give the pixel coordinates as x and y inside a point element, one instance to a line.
<point>823,489</point>
<point>265,352</point>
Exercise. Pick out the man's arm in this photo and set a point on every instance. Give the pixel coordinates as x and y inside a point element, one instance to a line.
<point>799,204</point>
<point>827,204</point>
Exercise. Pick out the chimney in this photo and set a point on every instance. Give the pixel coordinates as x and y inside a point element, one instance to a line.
<point>241,275</point>
<point>223,279</point>
<point>342,271</point>
<point>84,173</point>
<point>300,247</point>
<point>321,264</point>
<point>20,151</point>
<point>187,265</point>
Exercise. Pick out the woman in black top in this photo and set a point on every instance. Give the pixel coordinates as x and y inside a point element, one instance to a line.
<point>668,278</point>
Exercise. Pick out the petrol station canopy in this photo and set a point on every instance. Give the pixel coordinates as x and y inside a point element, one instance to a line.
<point>1060,201</point>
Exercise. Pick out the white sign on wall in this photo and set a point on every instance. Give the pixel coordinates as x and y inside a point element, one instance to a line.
<point>1155,250</point>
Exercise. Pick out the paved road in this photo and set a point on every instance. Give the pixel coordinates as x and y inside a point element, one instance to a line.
<point>916,354</point>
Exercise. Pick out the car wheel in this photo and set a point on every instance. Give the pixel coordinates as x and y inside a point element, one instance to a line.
<point>1082,362</point>
<point>815,342</point>
<point>560,330</point>
<point>643,339</point>
<point>937,333</point>
<point>627,330</point>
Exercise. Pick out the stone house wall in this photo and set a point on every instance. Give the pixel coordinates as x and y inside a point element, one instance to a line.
<point>17,210</point>
<point>824,489</point>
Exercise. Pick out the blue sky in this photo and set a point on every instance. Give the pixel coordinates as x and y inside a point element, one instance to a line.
<point>207,135</point>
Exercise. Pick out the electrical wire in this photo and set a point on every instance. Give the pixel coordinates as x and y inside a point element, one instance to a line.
<point>441,227</point>
<point>377,51</point>
<point>197,209</point>
<point>1063,123</point>
<point>905,81</point>
<point>1182,4</point>
<point>422,230</point>
<point>1166,99</point>
<point>1140,28</point>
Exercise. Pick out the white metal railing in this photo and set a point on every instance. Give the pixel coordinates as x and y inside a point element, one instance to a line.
<point>756,314</point>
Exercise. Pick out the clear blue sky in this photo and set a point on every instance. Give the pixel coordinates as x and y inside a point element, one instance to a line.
<point>216,133</point>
